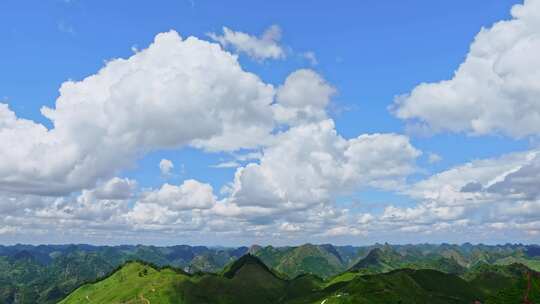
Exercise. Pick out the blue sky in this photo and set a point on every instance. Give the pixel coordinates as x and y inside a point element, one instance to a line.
<point>368,51</point>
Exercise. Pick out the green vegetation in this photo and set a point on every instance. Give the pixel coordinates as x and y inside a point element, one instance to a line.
<point>248,280</point>
<point>46,274</point>
<point>386,259</point>
<point>321,260</point>
<point>134,283</point>
<point>533,264</point>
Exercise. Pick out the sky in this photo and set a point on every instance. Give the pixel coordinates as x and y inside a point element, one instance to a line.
<point>269,122</point>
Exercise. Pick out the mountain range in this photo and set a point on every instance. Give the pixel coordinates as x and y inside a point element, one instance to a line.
<point>48,273</point>
<point>249,280</point>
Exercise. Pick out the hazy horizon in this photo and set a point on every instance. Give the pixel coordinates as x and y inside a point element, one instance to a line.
<point>273,245</point>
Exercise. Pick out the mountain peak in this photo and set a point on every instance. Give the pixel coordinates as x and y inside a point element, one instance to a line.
<point>254,248</point>
<point>378,257</point>
<point>248,259</point>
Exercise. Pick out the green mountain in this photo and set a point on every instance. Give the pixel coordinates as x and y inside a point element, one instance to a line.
<point>379,260</point>
<point>249,280</point>
<point>47,273</point>
<point>384,259</point>
<point>321,260</point>
<point>515,283</point>
<point>244,281</point>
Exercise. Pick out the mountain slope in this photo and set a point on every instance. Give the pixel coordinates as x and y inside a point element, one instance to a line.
<point>386,259</point>
<point>321,260</point>
<point>135,282</point>
<point>408,286</point>
<point>46,273</point>
<point>248,280</point>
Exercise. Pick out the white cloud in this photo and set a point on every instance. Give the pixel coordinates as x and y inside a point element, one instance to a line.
<point>165,167</point>
<point>172,204</point>
<point>434,158</point>
<point>311,58</point>
<point>260,48</point>
<point>272,207</point>
<point>289,227</point>
<point>287,178</point>
<point>448,185</point>
<point>116,188</point>
<point>152,214</point>
<point>303,97</point>
<point>147,102</point>
<point>521,183</point>
<point>310,164</point>
<point>365,218</point>
<point>191,194</point>
<point>99,206</point>
<point>343,231</point>
<point>425,213</point>
<point>292,164</point>
<point>496,88</point>
<point>7,230</point>
<point>225,165</point>
<point>472,197</point>
<point>248,156</point>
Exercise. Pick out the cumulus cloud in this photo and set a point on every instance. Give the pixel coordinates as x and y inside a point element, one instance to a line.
<point>173,205</point>
<point>147,102</point>
<point>303,97</point>
<point>424,213</point>
<point>448,185</point>
<point>151,101</point>
<point>289,227</point>
<point>473,197</point>
<point>472,187</point>
<point>147,214</point>
<point>291,163</point>
<point>310,164</point>
<point>260,48</point>
<point>101,205</point>
<point>116,188</point>
<point>522,183</point>
<point>290,189</point>
<point>496,88</point>
<point>459,200</point>
<point>165,167</point>
<point>191,194</point>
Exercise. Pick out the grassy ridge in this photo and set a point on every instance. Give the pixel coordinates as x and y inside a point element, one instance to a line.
<point>133,283</point>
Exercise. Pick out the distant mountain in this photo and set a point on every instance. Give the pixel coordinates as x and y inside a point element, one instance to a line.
<point>321,260</point>
<point>379,260</point>
<point>386,259</point>
<point>249,280</point>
